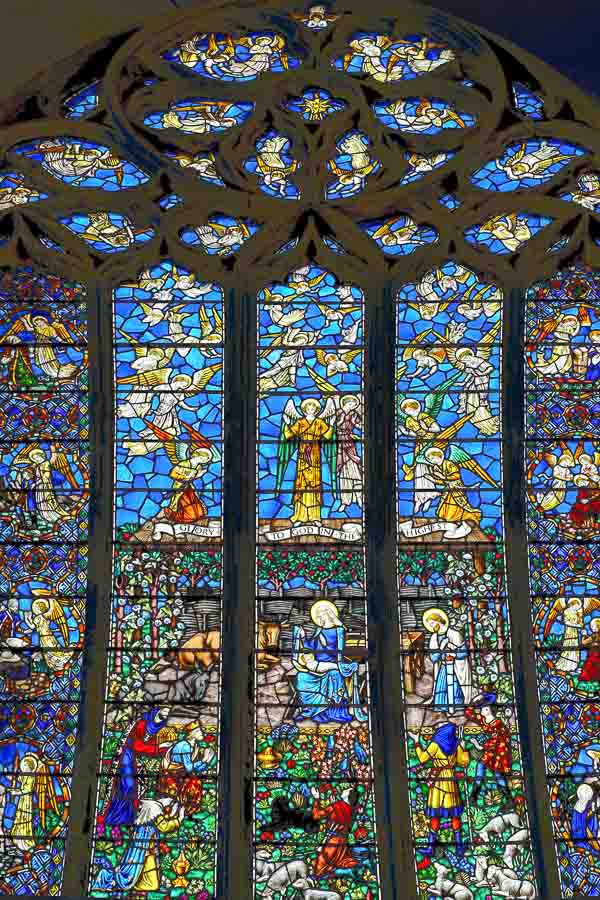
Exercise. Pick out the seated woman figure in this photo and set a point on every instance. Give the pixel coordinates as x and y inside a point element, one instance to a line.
<point>327,686</point>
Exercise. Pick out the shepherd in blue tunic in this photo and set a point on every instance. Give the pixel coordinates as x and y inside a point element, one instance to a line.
<point>327,686</point>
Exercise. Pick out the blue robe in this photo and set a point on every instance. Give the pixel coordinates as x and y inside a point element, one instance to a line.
<point>324,696</point>
<point>125,875</point>
<point>584,827</point>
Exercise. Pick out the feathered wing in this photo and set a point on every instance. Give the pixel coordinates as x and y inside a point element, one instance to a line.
<point>435,399</point>
<point>329,415</point>
<point>23,454</point>
<point>277,341</point>
<point>590,605</point>
<point>56,614</point>
<point>139,349</point>
<point>486,344</point>
<point>202,377</point>
<point>205,323</point>
<point>60,462</point>
<point>46,795</point>
<point>557,610</point>
<point>465,460</point>
<point>350,355</point>
<point>167,439</point>
<point>285,449</point>
<point>408,352</point>
<point>147,379</point>
<point>322,383</point>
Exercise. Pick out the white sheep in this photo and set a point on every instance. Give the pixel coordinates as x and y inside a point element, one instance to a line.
<point>499,824</point>
<point>509,884</point>
<point>445,887</point>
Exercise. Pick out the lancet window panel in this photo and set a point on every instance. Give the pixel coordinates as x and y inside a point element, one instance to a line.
<point>44,513</point>
<point>159,766</point>
<point>466,781</point>
<point>313,764</point>
<point>561,462</point>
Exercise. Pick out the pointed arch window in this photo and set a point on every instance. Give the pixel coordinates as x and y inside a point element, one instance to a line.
<point>298,469</point>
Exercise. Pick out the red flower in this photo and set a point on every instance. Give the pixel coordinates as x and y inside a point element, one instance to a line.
<point>291,763</point>
<point>266,836</point>
<point>361,833</point>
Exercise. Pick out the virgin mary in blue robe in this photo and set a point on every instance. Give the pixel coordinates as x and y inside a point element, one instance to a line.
<point>327,685</point>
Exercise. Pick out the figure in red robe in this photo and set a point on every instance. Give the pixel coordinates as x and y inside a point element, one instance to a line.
<point>495,764</point>
<point>591,667</point>
<point>334,853</point>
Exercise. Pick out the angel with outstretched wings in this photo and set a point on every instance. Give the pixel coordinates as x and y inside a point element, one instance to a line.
<point>561,467</point>
<point>535,163</point>
<point>433,288</point>
<point>222,239</point>
<point>38,471</point>
<point>284,371</point>
<point>166,416</point>
<point>473,362</point>
<point>190,461</point>
<point>336,362</point>
<point>444,463</point>
<point>310,435</point>
<point>151,371</point>
<point>49,333</point>
<point>571,613</point>
<point>427,357</point>
<point>49,620</point>
<point>425,116</point>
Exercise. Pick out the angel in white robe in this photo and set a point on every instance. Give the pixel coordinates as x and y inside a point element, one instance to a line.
<point>48,611</point>
<point>433,288</point>
<point>100,228</point>
<point>572,613</point>
<point>273,169</point>
<point>200,118</point>
<point>350,181</point>
<point>561,476</point>
<point>222,239</point>
<point>71,160</point>
<point>151,370</point>
<point>211,330</point>
<point>509,229</point>
<point>473,362</point>
<point>283,372</point>
<point>533,164</point>
<point>424,118</point>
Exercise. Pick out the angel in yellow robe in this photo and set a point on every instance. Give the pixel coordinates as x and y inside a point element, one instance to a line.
<point>47,610</point>
<point>445,474</point>
<point>40,476</point>
<point>313,432</point>
<point>33,786</point>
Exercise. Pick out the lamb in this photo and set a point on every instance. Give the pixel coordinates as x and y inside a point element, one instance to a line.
<point>514,845</point>
<point>499,824</point>
<point>278,878</point>
<point>509,884</point>
<point>314,894</point>
<point>445,887</point>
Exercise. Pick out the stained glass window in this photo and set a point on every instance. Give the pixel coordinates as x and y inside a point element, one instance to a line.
<point>299,476</point>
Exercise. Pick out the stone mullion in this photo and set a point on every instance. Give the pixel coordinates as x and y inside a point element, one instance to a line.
<point>98,604</point>
<point>234,869</point>
<point>397,872</point>
<point>524,659</point>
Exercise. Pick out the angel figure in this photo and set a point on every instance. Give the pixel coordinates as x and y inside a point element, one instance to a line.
<point>171,400</point>
<point>149,283</point>
<point>414,55</point>
<point>222,239</point>
<point>585,511</point>
<point>425,117</point>
<point>151,370</point>
<point>47,332</point>
<point>420,164</point>
<point>352,180</point>
<point>191,459</point>
<point>561,476</point>
<point>572,612</point>
<point>587,192</point>
<point>418,420</point>
<point>316,17</point>
<point>535,164</point>
<point>444,464</point>
<point>427,358</point>
<point>48,618</point>
<point>14,192</point>
<point>100,228</point>
<point>408,233</point>
<point>348,463</point>
<point>31,794</point>
<point>371,49</point>
<point>433,287</point>
<point>562,327</point>
<point>156,313</point>
<point>335,362</point>
<point>480,300</point>
<point>300,283</point>
<point>273,169</point>
<point>335,314</point>
<point>186,283</point>
<point>41,473</point>
<point>201,117</point>
<point>212,332</point>
<point>310,434</point>
<point>284,371</point>
<point>509,229</point>
<point>474,363</point>
<point>71,160</point>
<point>205,165</point>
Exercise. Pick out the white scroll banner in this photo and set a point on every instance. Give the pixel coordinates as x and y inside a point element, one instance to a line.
<point>452,530</point>
<point>347,533</point>
<point>180,528</point>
